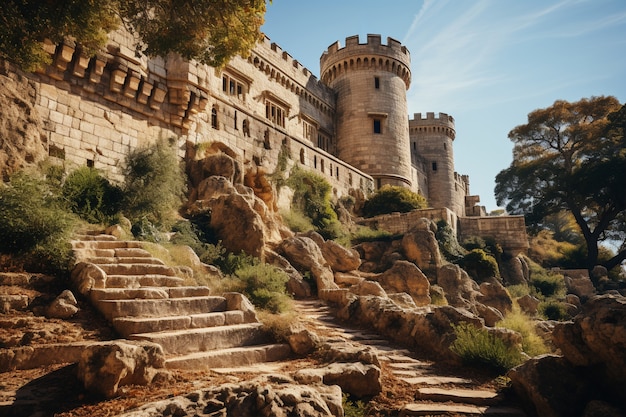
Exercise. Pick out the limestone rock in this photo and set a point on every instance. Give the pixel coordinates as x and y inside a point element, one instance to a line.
<point>493,294</point>
<point>63,307</point>
<point>460,289</point>
<point>303,253</point>
<point>238,301</point>
<point>420,246</point>
<point>347,352</point>
<point>580,286</point>
<point>296,285</point>
<point>339,258</point>
<point>489,314</point>
<point>301,341</point>
<point>402,299</point>
<point>86,276</point>
<point>356,378</point>
<point>514,270</point>
<point>528,304</point>
<point>104,367</point>
<point>368,288</point>
<point>23,141</point>
<point>406,277</point>
<point>218,164</point>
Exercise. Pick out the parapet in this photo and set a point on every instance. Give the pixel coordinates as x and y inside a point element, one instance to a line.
<point>392,56</point>
<point>442,119</point>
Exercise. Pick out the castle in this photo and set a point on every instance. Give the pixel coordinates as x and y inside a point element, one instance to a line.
<point>350,126</point>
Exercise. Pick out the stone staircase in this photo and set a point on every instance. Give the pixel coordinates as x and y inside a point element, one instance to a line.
<point>144,299</point>
<point>437,392</point>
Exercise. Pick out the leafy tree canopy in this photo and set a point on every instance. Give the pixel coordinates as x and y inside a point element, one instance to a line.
<point>209,31</point>
<point>571,157</point>
<point>389,199</point>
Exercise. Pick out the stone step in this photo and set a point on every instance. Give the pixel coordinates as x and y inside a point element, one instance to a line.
<point>436,380</point>
<point>95,237</point>
<point>111,253</point>
<point>98,294</point>
<point>438,409</point>
<point>105,244</point>
<point>127,326</point>
<point>144,260</point>
<point>179,342</point>
<point>137,269</point>
<point>112,309</point>
<point>458,395</point>
<point>233,357</point>
<point>137,281</point>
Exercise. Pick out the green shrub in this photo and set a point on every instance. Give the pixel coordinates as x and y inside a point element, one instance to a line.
<point>448,244</point>
<point>532,343</point>
<point>367,234</point>
<point>296,221</point>
<point>518,290</point>
<point>312,198</point>
<point>547,284</point>
<point>390,199</point>
<point>352,408</point>
<point>91,196</point>
<point>553,310</point>
<point>479,265</point>
<point>264,285</point>
<point>30,214</point>
<point>154,184</point>
<point>477,347</point>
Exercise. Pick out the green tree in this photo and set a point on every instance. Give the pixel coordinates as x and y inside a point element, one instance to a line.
<point>389,199</point>
<point>571,157</point>
<point>210,31</point>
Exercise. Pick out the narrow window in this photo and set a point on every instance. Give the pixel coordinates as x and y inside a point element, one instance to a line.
<point>337,172</point>
<point>214,118</point>
<point>302,156</point>
<point>377,126</point>
<point>90,163</point>
<point>232,87</point>
<point>414,146</point>
<point>235,119</point>
<point>322,165</point>
<point>224,84</point>
<point>434,166</point>
<point>376,83</point>
<point>315,161</point>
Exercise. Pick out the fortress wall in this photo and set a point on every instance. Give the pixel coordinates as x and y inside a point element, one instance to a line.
<point>399,223</point>
<point>96,110</point>
<point>509,231</point>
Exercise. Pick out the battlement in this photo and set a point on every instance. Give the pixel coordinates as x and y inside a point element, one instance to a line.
<point>443,119</point>
<point>392,57</point>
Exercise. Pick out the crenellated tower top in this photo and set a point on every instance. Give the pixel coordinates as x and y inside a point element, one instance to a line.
<point>444,123</point>
<point>392,57</point>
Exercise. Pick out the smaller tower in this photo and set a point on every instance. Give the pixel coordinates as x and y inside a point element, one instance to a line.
<point>431,139</point>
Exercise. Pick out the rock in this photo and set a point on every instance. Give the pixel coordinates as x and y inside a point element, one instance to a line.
<point>402,299</point>
<point>597,338</point>
<point>460,289</point>
<point>579,286</point>
<point>551,385</point>
<point>303,253</point>
<point>105,366</point>
<point>63,307</point>
<point>493,294</point>
<point>86,276</point>
<point>514,270</point>
<point>406,277</point>
<point>419,245</point>
<point>218,164</point>
<point>24,142</point>
<point>339,259</point>
<point>489,314</point>
<point>528,304</point>
<point>115,230</point>
<point>238,301</point>
<point>296,285</point>
<point>356,379</point>
<point>302,341</point>
<point>347,352</point>
<point>597,408</point>
<point>368,288</point>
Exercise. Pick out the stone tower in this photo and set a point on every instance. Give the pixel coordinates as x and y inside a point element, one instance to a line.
<point>370,81</point>
<point>431,139</point>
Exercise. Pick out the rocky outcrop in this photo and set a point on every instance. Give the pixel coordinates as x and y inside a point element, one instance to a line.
<point>405,277</point>
<point>106,366</point>
<point>22,138</point>
<point>63,307</point>
<point>420,246</point>
<point>264,396</point>
<point>339,259</point>
<point>592,368</point>
<point>305,255</point>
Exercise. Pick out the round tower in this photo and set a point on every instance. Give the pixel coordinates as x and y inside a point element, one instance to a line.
<point>431,139</point>
<point>370,82</point>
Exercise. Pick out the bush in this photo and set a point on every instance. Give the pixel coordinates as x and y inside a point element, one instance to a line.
<point>312,198</point>
<point>477,347</point>
<point>390,199</point>
<point>532,344</point>
<point>352,408</point>
<point>479,265</point>
<point>264,285</point>
<point>91,196</point>
<point>553,310</point>
<point>547,284</point>
<point>154,184</point>
<point>448,244</point>
<point>296,221</point>
<point>367,234</point>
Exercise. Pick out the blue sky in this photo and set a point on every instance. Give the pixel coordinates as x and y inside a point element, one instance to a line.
<point>488,63</point>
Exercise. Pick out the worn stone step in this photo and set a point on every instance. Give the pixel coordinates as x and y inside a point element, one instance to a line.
<point>438,409</point>
<point>436,380</point>
<point>127,326</point>
<point>233,357</point>
<point>161,307</point>
<point>105,244</point>
<point>137,281</point>
<point>137,269</point>
<point>458,395</point>
<point>143,260</point>
<point>179,342</point>
<point>95,236</point>
<point>98,294</point>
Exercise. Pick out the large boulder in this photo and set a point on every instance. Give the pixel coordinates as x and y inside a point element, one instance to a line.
<point>104,367</point>
<point>493,294</point>
<point>460,289</point>
<point>23,141</point>
<point>296,286</point>
<point>63,307</point>
<point>304,254</point>
<point>339,259</point>
<point>357,379</point>
<point>405,277</point>
<point>420,246</point>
